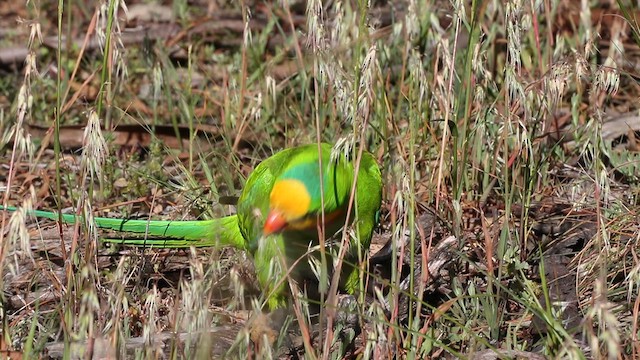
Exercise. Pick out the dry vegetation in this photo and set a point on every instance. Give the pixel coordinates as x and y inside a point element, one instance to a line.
<point>507,134</point>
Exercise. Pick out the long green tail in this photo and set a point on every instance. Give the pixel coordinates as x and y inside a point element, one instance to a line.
<point>164,234</point>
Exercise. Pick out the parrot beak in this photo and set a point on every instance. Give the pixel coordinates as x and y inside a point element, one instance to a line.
<point>275,222</point>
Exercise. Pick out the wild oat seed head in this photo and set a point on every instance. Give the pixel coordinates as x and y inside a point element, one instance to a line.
<point>411,21</point>
<point>317,269</point>
<point>94,151</point>
<point>478,62</point>
<point>31,66</point>
<point>123,6</point>
<point>35,32</point>
<point>607,324</point>
<point>19,239</point>
<point>560,50</point>
<point>377,337</point>
<point>513,14</point>
<point>633,277</point>
<point>122,71</point>
<point>399,197</point>
<point>369,61</point>
<point>343,147</point>
<point>149,328</point>
<point>479,95</point>
<point>556,81</point>
<point>416,69</point>
<point>338,32</point>
<point>368,71</point>
<point>514,45</point>
<point>117,48</point>
<point>23,104</point>
<point>101,25</point>
<point>315,26</point>
<point>246,33</point>
<point>342,87</point>
<point>89,304</point>
<point>238,290</point>
<point>158,80</point>
<point>194,310</point>
<point>514,9</point>
<point>514,84</point>
<point>272,89</point>
<point>534,99</point>
<point>256,109</point>
<point>605,189</point>
<point>444,49</point>
<point>581,66</point>
<point>607,80</point>
<point>586,24</point>
<point>92,229</point>
<point>25,145</point>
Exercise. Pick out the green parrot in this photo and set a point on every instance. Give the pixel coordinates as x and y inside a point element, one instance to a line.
<point>279,214</point>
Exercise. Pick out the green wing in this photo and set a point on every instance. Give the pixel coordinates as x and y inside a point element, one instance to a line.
<point>368,198</point>
<point>368,201</point>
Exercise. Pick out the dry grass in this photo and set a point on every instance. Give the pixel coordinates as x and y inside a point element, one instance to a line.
<point>513,122</point>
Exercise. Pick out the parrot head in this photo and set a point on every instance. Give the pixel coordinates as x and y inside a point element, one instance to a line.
<point>295,199</point>
<point>289,205</point>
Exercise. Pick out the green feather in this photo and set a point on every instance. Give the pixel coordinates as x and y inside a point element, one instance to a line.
<point>164,234</point>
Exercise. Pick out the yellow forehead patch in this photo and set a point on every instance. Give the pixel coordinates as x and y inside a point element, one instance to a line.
<point>291,198</point>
